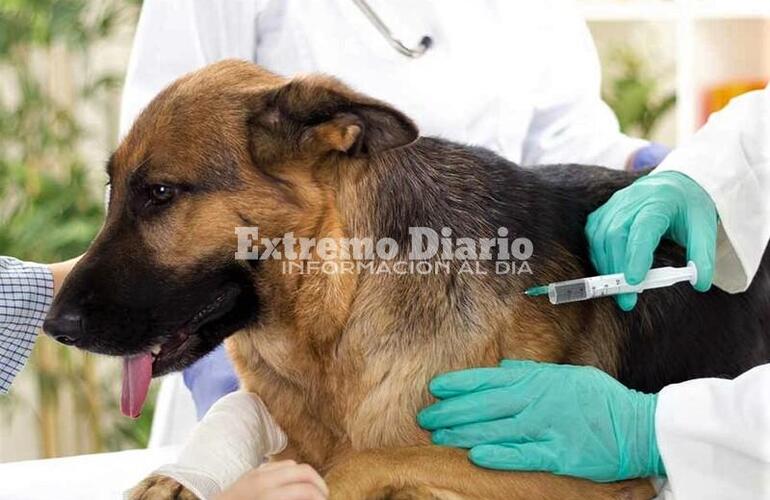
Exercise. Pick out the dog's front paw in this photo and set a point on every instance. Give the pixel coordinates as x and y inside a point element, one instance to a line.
<point>158,487</point>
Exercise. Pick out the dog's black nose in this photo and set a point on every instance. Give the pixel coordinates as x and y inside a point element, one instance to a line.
<point>66,328</point>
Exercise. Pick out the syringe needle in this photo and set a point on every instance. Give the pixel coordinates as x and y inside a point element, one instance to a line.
<point>536,291</point>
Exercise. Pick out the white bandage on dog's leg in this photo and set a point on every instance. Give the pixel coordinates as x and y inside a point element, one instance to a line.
<point>236,435</point>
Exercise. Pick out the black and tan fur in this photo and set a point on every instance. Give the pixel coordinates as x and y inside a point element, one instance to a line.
<point>343,361</point>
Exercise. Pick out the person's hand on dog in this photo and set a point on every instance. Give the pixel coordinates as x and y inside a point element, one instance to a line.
<point>568,420</point>
<point>284,480</point>
<point>624,233</point>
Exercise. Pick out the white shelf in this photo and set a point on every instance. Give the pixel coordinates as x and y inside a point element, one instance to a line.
<point>618,11</point>
<point>711,41</point>
<point>731,9</point>
<point>673,10</point>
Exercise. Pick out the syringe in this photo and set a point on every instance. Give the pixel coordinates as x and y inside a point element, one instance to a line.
<point>613,284</point>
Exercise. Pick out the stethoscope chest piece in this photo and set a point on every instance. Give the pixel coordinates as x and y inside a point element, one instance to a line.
<point>425,42</point>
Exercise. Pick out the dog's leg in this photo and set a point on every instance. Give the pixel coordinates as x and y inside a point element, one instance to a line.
<point>433,472</point>
<point>157,487</point>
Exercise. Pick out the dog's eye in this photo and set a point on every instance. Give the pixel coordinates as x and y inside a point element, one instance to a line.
<point>161,193</point>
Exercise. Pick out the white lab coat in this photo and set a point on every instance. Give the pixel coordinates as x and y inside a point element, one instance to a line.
<point>520,78</point>
<point>713,434</point>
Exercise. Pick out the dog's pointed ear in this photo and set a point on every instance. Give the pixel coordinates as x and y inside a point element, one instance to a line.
<point>324,115</point>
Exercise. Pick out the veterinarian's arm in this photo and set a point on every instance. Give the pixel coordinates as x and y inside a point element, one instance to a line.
<point>714,436</point>
<point>571,123</point>
<point>724,169</point>
<point>26,292</point>
<point>730,159</point>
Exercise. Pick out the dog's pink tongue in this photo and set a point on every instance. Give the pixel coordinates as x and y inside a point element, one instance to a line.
<point>137,373</point>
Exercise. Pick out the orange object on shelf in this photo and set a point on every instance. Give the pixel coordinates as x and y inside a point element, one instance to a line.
<point>717,97</point>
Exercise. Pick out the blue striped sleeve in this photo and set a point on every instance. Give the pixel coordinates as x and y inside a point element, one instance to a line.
<point>26,293</point>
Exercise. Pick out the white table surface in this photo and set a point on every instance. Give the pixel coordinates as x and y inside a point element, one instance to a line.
<point>102,476</point>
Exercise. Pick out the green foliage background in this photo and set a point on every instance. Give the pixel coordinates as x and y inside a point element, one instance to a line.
<point>635,95</point>
<point>51,203</point>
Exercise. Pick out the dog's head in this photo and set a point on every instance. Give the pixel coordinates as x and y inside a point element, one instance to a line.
<point>231,145</point>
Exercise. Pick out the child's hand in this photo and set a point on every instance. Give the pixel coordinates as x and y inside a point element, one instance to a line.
<point>283,480</point>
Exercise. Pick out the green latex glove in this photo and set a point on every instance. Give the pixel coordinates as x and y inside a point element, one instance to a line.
<point>568,420</point>
<point>624,233</point>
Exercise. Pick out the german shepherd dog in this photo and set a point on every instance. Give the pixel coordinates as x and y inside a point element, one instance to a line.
<point>343,359</point>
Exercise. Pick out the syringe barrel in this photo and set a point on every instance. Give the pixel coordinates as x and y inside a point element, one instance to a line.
<point>568,291</point>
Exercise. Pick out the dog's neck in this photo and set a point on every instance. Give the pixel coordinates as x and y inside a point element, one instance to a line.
<point>431,184</point>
